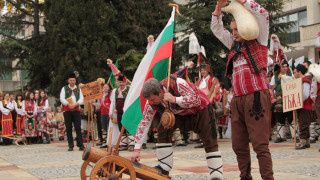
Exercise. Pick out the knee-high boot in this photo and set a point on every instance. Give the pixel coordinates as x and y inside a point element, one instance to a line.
<point>165,157</point>
<point>215,166</point>
<point>292,131</point>
<point>280,133</point>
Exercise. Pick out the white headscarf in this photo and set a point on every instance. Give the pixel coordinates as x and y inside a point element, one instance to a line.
<point>274,43</point>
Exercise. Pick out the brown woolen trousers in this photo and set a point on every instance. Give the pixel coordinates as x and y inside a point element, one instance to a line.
<point>304,119</point>
<point>317,107</point>
<point>201,123</point>
<point>250,121</point>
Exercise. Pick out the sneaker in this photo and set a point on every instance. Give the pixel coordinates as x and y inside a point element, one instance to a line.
<point>99,144</point>
<point>123,148</point>
<point>105,146</point>
<point>81,148</point>
<point>131,148</point>
<point>279,140</point>
<point>182,144</point>
<point>70,149</point>
<point>164,172</point>
<point>199,146</point>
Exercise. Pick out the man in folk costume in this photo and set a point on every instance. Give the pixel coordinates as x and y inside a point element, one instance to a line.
<point>193,112</point>
<point>250,106</point>
<point>283,76</point>
<point>118,98</point>
<point>208,84</point>
<point>276,49</point>
<point>6,106</point>
<point>314,127</point>
<point>305,114</point>
<point>71,98</point>
<point>317,103</point>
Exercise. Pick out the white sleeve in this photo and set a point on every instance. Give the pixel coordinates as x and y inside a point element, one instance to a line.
<point>23,108</point>
<point>220,32</point>
<point>80,101</point>
<point>314,88</point>
<point>113,104</point>
<point>46,106</point>
<point>63,97</point>
<point>35,108</point>
<point>272,82</point>
<point>306,91</point>
<point>4,110</point>
<point>262,17</point>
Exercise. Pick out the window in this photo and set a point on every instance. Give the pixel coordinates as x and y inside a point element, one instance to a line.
<point>300,19</point>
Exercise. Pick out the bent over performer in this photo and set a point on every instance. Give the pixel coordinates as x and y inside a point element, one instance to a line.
<point>250,106</point>
<point>193,112</point>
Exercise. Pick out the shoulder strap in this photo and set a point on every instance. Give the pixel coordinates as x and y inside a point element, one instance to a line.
<point>212,87</point>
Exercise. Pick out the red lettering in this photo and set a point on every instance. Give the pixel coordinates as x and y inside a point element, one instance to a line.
<point>289,102</point>
<point>285,102</point>
<point>293,102</point>
<point>299,100</point>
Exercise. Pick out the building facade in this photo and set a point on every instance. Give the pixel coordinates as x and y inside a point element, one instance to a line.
<point>302,36</point>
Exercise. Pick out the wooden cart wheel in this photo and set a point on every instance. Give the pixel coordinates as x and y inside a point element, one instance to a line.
<point>86,169</point>
<point>112,168</point>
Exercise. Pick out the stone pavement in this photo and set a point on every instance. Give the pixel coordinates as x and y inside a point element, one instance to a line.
<point>53,161</point>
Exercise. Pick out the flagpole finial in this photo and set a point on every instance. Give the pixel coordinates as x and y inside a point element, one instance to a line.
<point>176,6</point>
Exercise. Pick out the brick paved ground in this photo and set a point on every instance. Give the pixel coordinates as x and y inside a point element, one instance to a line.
<point>53,161</point>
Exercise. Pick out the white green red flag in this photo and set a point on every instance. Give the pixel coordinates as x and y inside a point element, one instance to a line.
<point>153,65</point>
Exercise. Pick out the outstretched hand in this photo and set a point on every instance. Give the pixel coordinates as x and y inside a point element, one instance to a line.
<point>222,3</point>
<point>135,156</point>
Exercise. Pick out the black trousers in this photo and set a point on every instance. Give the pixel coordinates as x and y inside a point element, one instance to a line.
<point>75,118</point>
<point>99,126</point>
<point>119,118</point>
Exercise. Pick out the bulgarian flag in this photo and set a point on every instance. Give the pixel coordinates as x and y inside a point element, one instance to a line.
<point>153,65</point>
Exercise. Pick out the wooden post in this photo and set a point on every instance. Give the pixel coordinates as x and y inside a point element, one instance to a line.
<point>294,126</point>
<point>120,135</point>
<point>92,120</point>
<point>110,140</point>
<point>88,135</point>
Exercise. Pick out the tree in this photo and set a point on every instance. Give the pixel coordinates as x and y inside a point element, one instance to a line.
<point>197,16</point>
<point>81,35</point>
<point>21,15</point>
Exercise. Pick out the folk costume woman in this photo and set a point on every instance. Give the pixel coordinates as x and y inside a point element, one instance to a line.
<point>29,108</point>
<point>105,106</point>
<point>19,110</point>
<point>6,106</point>
<point>42,107</point>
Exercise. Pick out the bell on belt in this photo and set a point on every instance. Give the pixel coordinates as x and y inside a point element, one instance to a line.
<point>167,119</point>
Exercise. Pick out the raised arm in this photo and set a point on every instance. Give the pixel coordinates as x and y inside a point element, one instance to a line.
<point>217,25</point>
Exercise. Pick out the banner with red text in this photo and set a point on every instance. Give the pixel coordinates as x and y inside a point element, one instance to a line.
<point>292,95</point>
